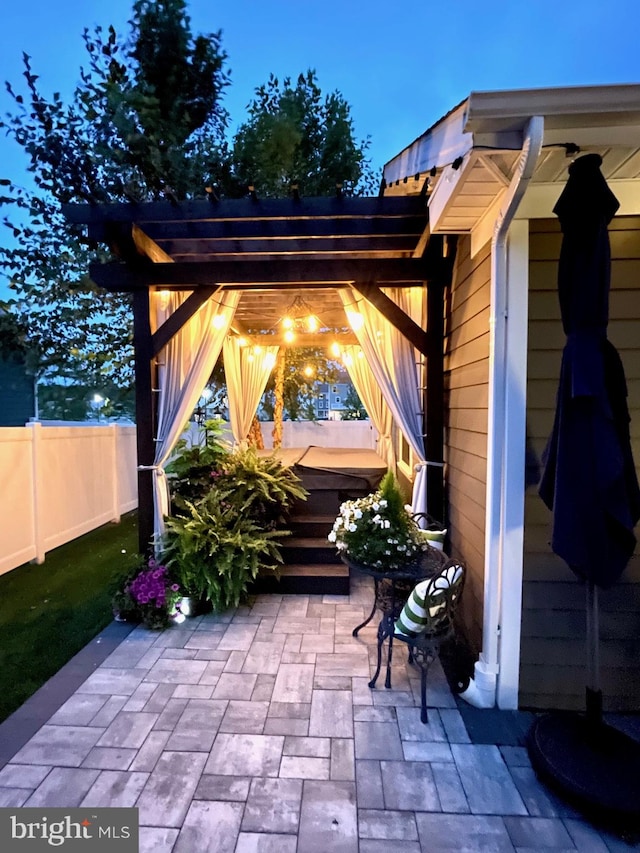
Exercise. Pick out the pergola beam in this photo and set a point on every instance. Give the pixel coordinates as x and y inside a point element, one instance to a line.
<point>120,277</point>
<point>264,229</point>
<point>180,316</point>
<point>394,314</point>
<point>237,209</point>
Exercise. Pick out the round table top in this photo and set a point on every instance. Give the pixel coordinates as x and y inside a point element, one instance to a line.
<point>431,561</point>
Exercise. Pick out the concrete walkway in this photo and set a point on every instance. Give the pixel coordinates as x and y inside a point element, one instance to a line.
<point>256,732</point>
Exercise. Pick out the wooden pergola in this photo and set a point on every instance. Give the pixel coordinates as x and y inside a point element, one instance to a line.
<point>270,250</point>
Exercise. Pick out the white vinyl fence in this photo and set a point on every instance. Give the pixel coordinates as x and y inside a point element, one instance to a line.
<point>59,482</point>
<point>360,434</point>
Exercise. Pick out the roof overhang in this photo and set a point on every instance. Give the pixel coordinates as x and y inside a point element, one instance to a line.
<point>465,162</point>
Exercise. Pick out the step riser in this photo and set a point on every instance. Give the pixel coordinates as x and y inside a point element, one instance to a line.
<point>310,529</point>
<point>301,585</point>
<point>316,556</point>
<point>325,502</point>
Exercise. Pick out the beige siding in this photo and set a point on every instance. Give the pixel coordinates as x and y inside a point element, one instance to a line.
<point>553,653</point>
<point>466,385</point>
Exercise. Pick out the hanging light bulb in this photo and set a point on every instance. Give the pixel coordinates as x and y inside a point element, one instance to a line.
<point>287,323</point>
<point>269,360</point>
<point>335,350</point>
<point>360,354</point>
<point>242,342</point>
<point>346,359</point>
<point>309,371</point>
<point>257,350</point>
<point>312,323</point>
<point>218,321</point>
<point>289,336</point>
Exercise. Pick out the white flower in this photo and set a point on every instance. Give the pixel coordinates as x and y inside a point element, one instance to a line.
<point>352,528</point>
<point>357,513</point>
<point>383,502</point>
<point>376,506</point>
<point>332,536</point>
<point>387,524</point>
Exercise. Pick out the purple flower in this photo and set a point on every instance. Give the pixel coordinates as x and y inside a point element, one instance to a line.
<point>175,587</point>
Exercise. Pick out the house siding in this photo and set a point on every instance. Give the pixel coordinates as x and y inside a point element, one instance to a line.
<point>466,391</point>
<point>552,673</point>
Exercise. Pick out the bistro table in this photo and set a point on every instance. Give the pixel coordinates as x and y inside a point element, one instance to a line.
<point>391,591</point>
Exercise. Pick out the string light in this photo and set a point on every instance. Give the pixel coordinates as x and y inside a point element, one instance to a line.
<point>289,336</point>
<point>335,349</point>
<point>219,321</point>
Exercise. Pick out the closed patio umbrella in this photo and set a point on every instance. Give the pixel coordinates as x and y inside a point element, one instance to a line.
<point>590,485</point>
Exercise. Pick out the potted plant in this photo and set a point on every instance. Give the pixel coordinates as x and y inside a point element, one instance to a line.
<point>260,486</point>
<point>215,549</point>
<point>148,594</point>
<point>377,531</point>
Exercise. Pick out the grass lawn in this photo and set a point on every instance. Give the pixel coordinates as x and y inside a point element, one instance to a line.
<point>49,612</point>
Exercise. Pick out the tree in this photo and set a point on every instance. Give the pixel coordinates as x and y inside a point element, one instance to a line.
<point>145,120</point>
<point>353,408</point>
<point>297,136</point>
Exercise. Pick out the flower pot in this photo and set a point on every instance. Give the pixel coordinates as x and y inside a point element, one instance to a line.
<point>189,605</point>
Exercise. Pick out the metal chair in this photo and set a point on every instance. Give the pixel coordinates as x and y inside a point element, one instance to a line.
<point>427,619</point>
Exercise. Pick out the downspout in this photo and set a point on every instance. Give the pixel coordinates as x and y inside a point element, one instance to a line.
<point>481,691</point>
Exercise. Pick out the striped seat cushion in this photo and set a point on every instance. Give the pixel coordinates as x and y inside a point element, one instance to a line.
<point>426,607</point>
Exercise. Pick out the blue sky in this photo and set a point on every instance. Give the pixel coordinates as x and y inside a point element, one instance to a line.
<point>401,66</point>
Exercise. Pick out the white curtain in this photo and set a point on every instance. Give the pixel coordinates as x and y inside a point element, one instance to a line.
<point>184,366</point>
<point>394,363</point>
<point>247,370</point>
<point>369,392</point>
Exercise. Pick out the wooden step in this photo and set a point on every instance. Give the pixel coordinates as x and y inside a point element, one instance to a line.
<point>304,579</point>
<point>308,549</point>
<point>317,526</point>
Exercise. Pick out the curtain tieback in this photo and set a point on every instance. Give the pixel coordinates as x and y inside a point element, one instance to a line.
<point>149,468</point>
<point>426,463</point>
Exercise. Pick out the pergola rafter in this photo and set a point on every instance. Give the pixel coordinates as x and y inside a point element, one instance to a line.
<point>268,249</point>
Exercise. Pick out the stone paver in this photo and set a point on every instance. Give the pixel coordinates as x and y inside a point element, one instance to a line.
<point>255,731</point>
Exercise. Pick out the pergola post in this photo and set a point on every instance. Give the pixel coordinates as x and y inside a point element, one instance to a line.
<point>433,407</point>
<point>145,414</point>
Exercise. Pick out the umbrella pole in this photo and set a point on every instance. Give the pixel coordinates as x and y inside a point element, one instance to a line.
<point>593,691</point>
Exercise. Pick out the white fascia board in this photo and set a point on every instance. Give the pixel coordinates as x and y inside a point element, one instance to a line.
<point>438,146</point>
<point>511,109</point>
<point>539,199</point>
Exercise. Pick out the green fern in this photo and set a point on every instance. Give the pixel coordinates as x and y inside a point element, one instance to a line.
<point>215,551</point>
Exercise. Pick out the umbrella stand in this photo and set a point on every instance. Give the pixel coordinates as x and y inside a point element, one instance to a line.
<point>593,691</point>
<point>594,766</point>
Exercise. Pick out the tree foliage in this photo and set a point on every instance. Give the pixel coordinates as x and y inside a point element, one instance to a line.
<point>295,135</point>
<point>353,407</point>
<point>299,392</point>
<point>144,119</point>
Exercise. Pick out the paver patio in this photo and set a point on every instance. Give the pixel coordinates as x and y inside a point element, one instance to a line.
<point>255,732</point>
